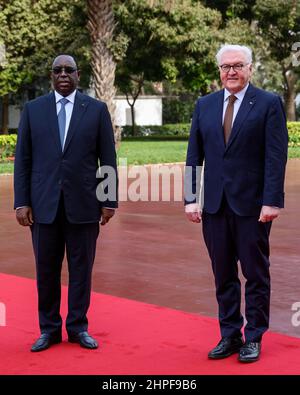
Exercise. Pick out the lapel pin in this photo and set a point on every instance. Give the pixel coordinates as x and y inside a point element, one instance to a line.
<point>251,102</point>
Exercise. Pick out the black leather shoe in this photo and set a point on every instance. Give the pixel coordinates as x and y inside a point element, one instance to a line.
<point>250,352</point>
<point>226,347</point>
<point>45,341</point>
<point>84,339</point>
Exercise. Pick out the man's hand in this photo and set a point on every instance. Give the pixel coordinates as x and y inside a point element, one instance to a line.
<point>24,216</point>
<point>193,212</point>
<point>106,214</point>
<point>268,213</point>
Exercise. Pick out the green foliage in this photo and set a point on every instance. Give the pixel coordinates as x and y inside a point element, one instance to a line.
<point>178,110</point>
<point>7,146</point>
<point>232,8</point>
<point>271,28</point>
<point>182,130</point>
<point>294,134</point>
<point>166,44</point>
<point>147,151</point>
<point>6,168</point>
<point>177,130</point>
<point>279,21</point>
<point>33,33</point>
<point>169,132</point>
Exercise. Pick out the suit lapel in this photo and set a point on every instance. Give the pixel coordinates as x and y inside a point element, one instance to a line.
<point>54,120</point>
<point>218,115</point>
<point>246,106</point>
<point>80,105</point>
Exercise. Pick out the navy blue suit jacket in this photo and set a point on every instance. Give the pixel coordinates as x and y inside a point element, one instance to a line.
<point>250,169</point>
<point>43,171</point>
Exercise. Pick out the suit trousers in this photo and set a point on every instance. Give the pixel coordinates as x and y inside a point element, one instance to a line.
<point>50,242</point>
<point>230,238</point>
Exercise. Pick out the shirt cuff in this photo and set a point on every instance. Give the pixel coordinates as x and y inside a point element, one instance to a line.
<point>192,208</point>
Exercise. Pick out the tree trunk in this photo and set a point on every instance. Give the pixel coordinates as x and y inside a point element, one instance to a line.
<point>132,119</point>
<point>101,26</point>
<point>290,95</point>
<point>5,103</point>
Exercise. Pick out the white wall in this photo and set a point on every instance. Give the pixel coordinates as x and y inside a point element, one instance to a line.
<point>148,111</point>
<point>13,117</point>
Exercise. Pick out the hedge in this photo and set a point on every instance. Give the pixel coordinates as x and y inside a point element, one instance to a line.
<point>176,129</point>
<point>147,133</point>
<point>294,134</point>
<point>7,146</point>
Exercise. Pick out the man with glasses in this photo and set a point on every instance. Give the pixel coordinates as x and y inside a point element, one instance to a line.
<point>240,132</point>
<point>62,137</point>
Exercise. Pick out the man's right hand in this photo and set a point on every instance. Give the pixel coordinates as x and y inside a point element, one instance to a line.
<point>24,216</point>
<point>193,212</point>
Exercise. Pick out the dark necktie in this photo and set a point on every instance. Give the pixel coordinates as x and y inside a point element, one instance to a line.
<point>228,117</point>
<point>62,120</point>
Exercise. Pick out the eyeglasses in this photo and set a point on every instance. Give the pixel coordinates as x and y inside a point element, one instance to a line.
<point>236,67</point>
<point>68,69</point>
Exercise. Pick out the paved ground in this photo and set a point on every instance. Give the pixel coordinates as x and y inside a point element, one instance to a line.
<point>151,253</point>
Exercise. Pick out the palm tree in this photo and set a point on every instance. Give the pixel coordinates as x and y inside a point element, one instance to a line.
<point>101,27</point>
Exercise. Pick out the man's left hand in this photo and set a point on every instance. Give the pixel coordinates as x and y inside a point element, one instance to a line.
<point>106,214</point>
<point>268,213</point>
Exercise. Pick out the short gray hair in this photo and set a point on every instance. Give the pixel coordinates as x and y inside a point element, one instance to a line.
<point>237,48</point>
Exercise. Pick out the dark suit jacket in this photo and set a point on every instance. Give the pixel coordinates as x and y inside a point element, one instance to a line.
<point>43,171</point>
<point>250,169</point>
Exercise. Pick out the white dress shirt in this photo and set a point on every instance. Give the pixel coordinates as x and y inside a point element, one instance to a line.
<point>236,106</point>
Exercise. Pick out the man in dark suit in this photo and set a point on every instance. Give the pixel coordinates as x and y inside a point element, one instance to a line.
<point>240,133</point>
<point>61,139</point>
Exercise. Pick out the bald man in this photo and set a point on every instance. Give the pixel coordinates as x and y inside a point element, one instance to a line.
<point>62,138</point>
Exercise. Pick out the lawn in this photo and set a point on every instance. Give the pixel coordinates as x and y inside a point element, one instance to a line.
<point>144,152</point>
<point>294,152</point>
<point>6,168</point>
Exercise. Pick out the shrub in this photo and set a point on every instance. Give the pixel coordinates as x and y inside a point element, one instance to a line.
<point>181,131</point>
<point>177,129</point>
<point>294,134</point>
<point>7,146</point>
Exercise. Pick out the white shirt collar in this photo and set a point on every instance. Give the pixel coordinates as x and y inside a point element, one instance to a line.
<point>239,95</point>
<point>71,97</point>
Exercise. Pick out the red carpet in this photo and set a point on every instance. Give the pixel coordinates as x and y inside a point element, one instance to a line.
<point>135,338</point>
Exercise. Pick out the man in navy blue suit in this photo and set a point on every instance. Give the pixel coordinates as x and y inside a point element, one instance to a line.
<point>240,134</point>
<point>62,137</point>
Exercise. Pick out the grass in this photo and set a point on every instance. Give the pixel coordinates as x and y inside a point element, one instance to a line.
<point>6,168</point>
<point>294,152</point>
<point>144,152</point>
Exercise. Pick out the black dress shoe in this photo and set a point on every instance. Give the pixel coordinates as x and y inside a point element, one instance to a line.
<point>226,347</point>
<point>45,341</point>
<point>250,352</point>
<point>84,339</point>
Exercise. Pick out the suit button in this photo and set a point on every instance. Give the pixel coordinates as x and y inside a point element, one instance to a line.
<point>59,182</point>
